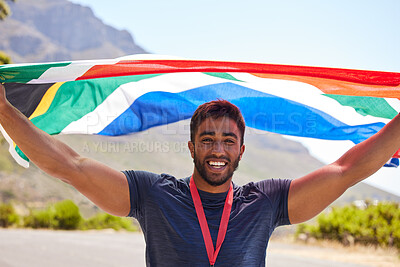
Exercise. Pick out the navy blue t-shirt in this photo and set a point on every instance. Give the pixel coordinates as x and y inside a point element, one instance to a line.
<point>164,208</point>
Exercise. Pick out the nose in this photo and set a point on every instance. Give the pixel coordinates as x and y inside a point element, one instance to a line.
<point>218,148</point>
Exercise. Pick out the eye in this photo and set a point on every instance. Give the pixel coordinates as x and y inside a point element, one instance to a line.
<point>230,141</point>
<point>206,140</point>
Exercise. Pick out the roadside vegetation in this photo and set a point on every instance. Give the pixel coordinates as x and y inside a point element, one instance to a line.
<point>63,215</point>
<point>375,224</point>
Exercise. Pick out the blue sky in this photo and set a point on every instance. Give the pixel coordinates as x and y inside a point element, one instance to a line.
<point>360,34</point>
<point>357,34</point>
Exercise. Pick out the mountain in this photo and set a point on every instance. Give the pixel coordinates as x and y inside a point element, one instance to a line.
<point>58,30</point>
<point>53,30</point>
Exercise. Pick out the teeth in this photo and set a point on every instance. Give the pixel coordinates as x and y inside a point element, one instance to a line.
<point>217,163</point>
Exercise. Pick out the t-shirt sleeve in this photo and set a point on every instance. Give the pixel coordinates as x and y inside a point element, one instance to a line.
<point>140,182</point>
<point>277,191</point>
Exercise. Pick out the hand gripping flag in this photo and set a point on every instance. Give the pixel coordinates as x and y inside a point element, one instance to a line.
<point>132,94</point>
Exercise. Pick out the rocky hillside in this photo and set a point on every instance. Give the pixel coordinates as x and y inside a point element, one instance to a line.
<point>58,30</point>
<point>164,150</point>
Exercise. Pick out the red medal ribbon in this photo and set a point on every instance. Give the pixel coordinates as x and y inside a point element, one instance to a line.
<point>212,255</point>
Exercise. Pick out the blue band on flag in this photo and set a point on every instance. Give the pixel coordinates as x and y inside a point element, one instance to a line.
<point>260,110</point>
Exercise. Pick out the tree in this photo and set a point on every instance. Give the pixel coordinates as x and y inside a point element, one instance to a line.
<point>4,9</point>
<point>4,58</point>
<point>4,12</point>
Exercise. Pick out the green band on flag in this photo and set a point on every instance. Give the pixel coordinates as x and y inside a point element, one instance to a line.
<point>365,105</point>
<point>21,154</point>
<point>222,75</point>
<point>26,73</point>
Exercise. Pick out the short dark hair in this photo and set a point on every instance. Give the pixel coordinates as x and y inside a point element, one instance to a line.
<point>217,109</point>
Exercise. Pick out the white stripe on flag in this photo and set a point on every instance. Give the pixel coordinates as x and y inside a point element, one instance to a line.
<point>95,121</point>
<point>70,72</point>
<point>12,151</point>
<point>394,102</point>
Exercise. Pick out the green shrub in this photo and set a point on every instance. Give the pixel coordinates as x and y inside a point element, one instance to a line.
<point>67,215</point>
<point>40,219</point>
<point>8,216</point>
<point>106,221</point>
<point>62,215</point>
<point>377,224</point>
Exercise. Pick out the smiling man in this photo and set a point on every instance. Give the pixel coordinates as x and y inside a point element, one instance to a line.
<point>203,219</point>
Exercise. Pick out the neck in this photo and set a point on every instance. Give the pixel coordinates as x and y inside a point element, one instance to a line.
<point>202,185</point>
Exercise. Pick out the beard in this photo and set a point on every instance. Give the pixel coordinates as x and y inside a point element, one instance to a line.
<point>200,167</point>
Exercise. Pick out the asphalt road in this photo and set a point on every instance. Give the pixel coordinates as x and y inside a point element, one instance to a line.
<point>20,248</point>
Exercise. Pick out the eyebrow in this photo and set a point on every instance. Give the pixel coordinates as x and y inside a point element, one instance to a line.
<point>223,134</point>
<point>230,134</point>
<point>206,133</point>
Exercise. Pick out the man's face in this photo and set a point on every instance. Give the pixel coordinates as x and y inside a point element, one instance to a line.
<point>216,151</point>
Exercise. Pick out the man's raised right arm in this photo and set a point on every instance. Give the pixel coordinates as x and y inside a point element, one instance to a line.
<point>106,187</point>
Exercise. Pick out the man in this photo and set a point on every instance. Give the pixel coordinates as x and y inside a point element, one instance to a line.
<point>203,219</point>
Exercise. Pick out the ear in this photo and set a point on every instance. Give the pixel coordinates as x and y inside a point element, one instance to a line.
<point>191,148</point>
<point>242,148</point>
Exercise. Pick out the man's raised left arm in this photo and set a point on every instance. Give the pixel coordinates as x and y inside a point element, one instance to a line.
<point>312,193</point>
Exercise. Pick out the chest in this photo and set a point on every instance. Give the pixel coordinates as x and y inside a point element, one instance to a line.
<point>251,216</point>
<point>172,230</point>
